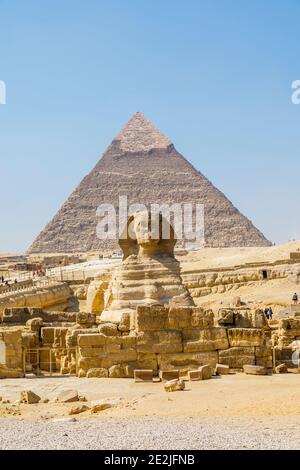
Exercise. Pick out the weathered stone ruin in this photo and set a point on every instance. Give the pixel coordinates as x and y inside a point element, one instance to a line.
<point>143,320</point>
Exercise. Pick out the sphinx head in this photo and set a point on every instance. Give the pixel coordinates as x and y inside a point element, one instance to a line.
<point>147,233</point>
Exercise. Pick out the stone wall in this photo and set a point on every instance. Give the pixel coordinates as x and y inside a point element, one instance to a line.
<point>36,296</point>
<point>165,338</point>
<point>220,281</point>
<point>11,353</point>
<point>157,338</point>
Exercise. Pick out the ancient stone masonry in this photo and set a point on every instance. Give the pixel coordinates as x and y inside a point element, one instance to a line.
<point>142,164</point>
<point>286,341</point>
<point>204,283</point>
<point>43,294</point>
<point>157,338</point>
<point>144,319</point>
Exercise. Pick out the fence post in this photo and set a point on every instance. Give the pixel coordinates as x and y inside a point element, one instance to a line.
<point>50,353</point>
<point>24,361</point>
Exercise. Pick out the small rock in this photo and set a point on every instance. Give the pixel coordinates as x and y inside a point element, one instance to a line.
<point>281,369</point>
<point>174,385</point>
<point>81,398</point>
<point>46,400</point>
<point>81,373</point>
<point>29,397</point>
<point>255,370</point>
<point>76,410</point>
<point>67,396</point>
<point>102,405</point>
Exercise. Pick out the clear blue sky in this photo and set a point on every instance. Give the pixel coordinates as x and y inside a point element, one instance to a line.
<point>214,75</point>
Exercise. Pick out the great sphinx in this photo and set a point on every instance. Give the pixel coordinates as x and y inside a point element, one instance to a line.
<point>149,274</point>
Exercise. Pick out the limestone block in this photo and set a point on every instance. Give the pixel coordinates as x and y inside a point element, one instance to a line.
<point>236,357</point>
<point>124,355</point>
<point>187,361</point>
<point>91,340</point>
<point>259,320</point>
<point>47,335</point>
<point>12,335</point>
<point>160,342</point>
<point>202,318</point>
<point>205,372</point>
<point>263,357</point>
<point>75,410</point>
<point>34,324</point>
<point>210,339</point>
<point>150,318</point>
<point>85,319</point>
<point>87,363</point>
<point>289,327</point>
<point>8,373</point>
<point>254,370</point>
<point>109,329</point>
<point>194,375</point>
<point>143,375</point>
<point>91,352</point>
<point>281,369</point>
<point>125,322</point>
<point>120,371</point>
<point>222,369</point>
<point>81,373</point>
<point>97,372</point>
<point>60,337</point>
<point>128,341</point>
<point>74,332</point>
<point>112,347</point>
<point>145,361</point>
<point>244,337</point>
<point>179,317</point>
<point>67,396</point>
<point>166,375</point>
<point>28,397</point>
<point>225,317</point>
<point>174,385</point>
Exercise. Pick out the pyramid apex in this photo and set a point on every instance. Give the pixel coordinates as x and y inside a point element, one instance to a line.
<point>140,135</point>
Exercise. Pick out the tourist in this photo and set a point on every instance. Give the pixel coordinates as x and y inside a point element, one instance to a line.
<point>266,312</point>
<point>270,313</point>
<point>295,298</point>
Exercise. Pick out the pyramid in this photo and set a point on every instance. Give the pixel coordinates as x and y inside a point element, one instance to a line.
<point>142,164</point>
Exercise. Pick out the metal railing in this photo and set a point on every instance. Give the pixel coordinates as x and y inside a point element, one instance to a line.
<point>35,359</point>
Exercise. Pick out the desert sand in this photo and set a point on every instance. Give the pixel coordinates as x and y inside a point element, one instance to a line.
<point>235,411</point>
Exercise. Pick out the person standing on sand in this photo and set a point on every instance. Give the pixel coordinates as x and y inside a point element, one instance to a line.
<point>266,312</point>
<point>295,298</point>
<point>270,313</point>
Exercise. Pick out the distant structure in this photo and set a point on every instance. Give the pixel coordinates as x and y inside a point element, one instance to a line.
<point>142,164</point>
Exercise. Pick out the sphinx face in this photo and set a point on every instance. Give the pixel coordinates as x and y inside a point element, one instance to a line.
<point>147,230</point>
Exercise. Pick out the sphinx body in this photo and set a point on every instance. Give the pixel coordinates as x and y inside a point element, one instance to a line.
<point>149,274</point>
